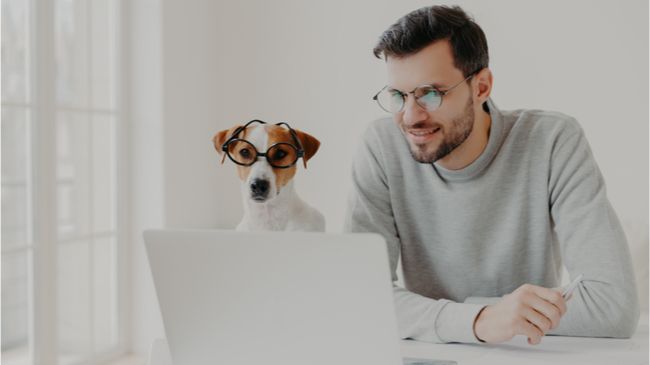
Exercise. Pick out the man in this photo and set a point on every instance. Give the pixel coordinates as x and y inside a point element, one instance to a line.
<point>484,206</point>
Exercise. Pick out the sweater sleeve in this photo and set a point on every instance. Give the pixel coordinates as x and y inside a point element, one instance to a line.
<point>369,210</point>
<point>592,243</point>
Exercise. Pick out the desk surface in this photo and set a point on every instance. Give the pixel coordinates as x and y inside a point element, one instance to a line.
<point>552,350</point>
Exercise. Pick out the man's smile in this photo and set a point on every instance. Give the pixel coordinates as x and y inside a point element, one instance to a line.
<point>423,135</point>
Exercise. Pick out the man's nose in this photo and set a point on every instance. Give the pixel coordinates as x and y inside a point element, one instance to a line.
<point>413,112</point>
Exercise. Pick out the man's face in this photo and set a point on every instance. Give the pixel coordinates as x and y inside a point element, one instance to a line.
<point>432,135</point>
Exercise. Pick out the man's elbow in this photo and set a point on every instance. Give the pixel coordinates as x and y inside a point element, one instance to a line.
<point>627,325</point>
<point>623,322</point>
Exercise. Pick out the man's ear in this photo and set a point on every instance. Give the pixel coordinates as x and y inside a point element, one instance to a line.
<point>482,86</point>
<point>309,143</point>
<point>220,138</point>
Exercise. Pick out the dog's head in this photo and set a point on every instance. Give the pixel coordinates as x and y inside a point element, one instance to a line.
<point>262,181</point>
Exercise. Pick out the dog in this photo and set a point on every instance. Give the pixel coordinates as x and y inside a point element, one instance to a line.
<point>266,156</point>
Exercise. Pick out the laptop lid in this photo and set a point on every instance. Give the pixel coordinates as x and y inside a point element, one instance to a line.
<point>231,297</point>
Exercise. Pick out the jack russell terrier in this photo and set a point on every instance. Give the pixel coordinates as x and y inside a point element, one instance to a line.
<point>270,201</point>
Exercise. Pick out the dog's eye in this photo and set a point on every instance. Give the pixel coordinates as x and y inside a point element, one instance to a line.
<point>245,152</point>
<point>279,154</point>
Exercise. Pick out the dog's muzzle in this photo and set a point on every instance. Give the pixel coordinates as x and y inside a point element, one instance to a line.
<point>260,189</point>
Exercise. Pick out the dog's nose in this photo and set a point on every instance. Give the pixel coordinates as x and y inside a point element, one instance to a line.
<point>260,187</point>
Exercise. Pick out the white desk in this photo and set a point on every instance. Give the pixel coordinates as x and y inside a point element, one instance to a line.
<point>553,350</point>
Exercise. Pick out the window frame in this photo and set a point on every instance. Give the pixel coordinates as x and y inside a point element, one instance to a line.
<point>42,235</point>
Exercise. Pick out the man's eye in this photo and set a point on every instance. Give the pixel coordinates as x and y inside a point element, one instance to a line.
<point>426,92</point>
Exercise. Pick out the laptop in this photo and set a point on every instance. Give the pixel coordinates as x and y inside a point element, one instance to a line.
<point>231,297</point>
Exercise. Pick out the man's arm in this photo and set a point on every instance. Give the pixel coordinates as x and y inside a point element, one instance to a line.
<point>369,210</point>
<point>592,243</point>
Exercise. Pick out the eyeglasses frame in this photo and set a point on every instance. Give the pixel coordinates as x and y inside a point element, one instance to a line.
<point>300,152</point>
<point>404,95</point>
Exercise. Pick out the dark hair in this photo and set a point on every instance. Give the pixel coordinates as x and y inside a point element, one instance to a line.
<point>421,27</point>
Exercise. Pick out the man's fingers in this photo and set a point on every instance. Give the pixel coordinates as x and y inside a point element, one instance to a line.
<point>545,308</point>
<point>552,296</point>
<point>538,320</point>
<point>527,329</point>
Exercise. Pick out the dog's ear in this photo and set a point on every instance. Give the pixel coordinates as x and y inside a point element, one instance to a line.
<point>220,138</point>
<point>309,143</point>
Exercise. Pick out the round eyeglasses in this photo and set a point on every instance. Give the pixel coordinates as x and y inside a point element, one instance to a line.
<point>281,155</point>
<point>426,96</point>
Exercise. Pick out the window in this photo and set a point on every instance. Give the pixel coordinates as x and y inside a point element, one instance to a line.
<point>60,234</point>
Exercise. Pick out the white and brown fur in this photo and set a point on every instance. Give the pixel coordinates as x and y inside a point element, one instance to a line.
<point>278,207</point>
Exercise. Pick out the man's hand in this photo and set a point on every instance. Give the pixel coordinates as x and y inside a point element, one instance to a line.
<point>530,311</point>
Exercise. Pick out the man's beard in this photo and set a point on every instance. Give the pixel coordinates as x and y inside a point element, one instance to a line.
<point>461,127</point>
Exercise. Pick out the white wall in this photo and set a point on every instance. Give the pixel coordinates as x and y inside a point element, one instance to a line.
<point>310,63</point>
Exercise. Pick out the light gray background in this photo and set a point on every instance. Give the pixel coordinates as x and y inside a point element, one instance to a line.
<point>198,66</point>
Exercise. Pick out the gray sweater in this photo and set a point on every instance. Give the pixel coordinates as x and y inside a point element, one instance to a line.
<point>533,201</point>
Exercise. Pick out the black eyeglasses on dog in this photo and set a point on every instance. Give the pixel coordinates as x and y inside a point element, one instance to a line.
<point>281,155</point>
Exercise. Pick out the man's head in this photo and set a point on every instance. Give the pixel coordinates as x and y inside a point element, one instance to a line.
<point>443,47</point>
